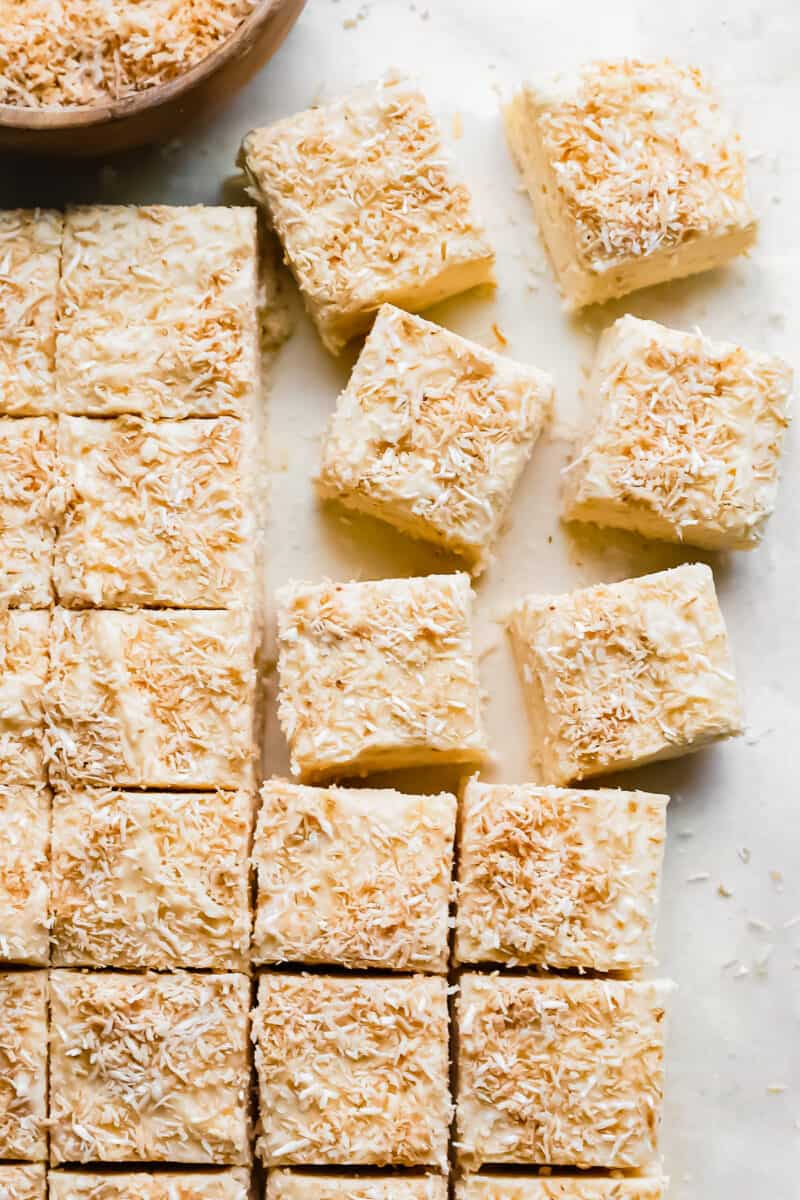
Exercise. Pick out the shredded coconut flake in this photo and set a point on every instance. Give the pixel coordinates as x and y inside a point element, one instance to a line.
<point>23,1065</point>
<point>23,670</point>
<point>30,246</point>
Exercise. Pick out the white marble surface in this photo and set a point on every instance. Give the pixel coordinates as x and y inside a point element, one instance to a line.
<point>735,815</point>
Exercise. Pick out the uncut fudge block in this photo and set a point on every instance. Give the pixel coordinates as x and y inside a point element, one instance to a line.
<point>368,207</point>
<point>30,253</point>
<point>23,671</point>
<point>352,1071</point>
<point>432,433</point>
<point>561,878</point>
<point>292,1185</point>
<point>353,878</point>
<point>684,437</point>
<point>23,1065</point>
<point>27,511</point>
<point>22,1183</point>
<point>149,1068</point>
<point>378,675</point>
<point>561,1187</point>
<point>157,514</point>
<point>233,1184</point>
<point>622,674</point>
<point>157,312</point>
<point>635,176</point>
<point>563,1072</point>
<point>24,874</point>
<point>152,699</point>
<point>146,880</point>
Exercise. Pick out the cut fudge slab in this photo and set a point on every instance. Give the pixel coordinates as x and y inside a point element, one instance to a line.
<point>149,1068</point>
<point>142,879</point>
<point>157,312</point>
<point>152,699</point>
<point>24,874</point>
<point>30,253</point>
<point>563,1072</point>
<point>158,514</point>
<point>28,513</point>
<point>561,878</point>
<point>432,433</point>
<point>622,674</point>
<point>293,1185</point>
<point>561,1187</point>
<point>23,671</point>
<point>635,176</point>
<point>352,1071</point>
<point>368,207</point>
<point>378,675</point>
<point>353,878</point>
<point>22,1183</point>
<point>23,1065</point>
<point>233,1184</point>
<point>684,437</point>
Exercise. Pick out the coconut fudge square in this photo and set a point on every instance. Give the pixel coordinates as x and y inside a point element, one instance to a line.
<point>559,878</point>
<point>293,1185</point>
<point>559,1072</point>
<point>352,1071</point>
<point>622,674</point>
<point>368,206</point>
<point>684,438</point>
<point>157,514</point>
<point>30,254</point>
<point>23,1065</point>
<point>152,699</point>
<point>148,880</point>
<point>28,513</point>
<point>149,1067</point>
<point>561,1187</point>
<point>23,671</point>
<point>432,434</point>
<point>24,874</point>
<point>19,1182</point>
<point>635,175</point>
<point>378,675</point>
<point>233,1184</point>
<point>157,312</point>
<point>355,878</point>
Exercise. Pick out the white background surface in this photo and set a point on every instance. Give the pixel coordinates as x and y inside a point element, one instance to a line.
<point>735,813</point>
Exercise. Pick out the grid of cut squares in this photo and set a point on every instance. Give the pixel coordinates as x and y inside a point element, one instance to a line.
<point>24,874</point>
<point>285,1184</point>
<point>23,671</point>
<point>30,255</point>
<point>432,434</point>
<point>231,1184</point>
<point>18,1182</point>
<point>561,1187</point>
<point>23,1065</point>
<point>28,513</point>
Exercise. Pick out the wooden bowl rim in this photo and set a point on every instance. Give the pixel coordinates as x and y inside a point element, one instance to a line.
<point>14,116</point>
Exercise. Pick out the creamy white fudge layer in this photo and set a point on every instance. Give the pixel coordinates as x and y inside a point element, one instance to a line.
<point>30,255</point>
<point>23,1065</point>
<point>293,1185</point>
<point>233,1184</point>
<point>561,1187</point>
<point>24,874</point>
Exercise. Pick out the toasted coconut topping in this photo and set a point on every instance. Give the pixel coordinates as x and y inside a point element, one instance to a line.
<point>686,437</point>
<point>71,53</point>
<point>433,432</point>
<point>23,670</point>
<point>147,880</point>
<point>23,1064</point>
<point>378,674</point>
<point>30,252</point>
<point>564,1072</point>
<point>624,673</point>
<point>157,312</point>
<point>355,878</point>
<point>352,1071</point>
<point>151,699</point>
<point>561,1187</point>
<point>291,1185</point>
<point>28,511</point>
<point>364,198</point>
<point>149,1067</point>
<point>559,878</point>
<point>24,874</point>
<point>22,1183</point>
<point>141,1185</point>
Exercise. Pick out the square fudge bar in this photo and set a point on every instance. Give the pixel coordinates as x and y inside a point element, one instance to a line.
<point>157,312</point>
<point>621,674</point>
<point>560,1187</point>
<point>294,1185</point>
<point>30,256</point>
<point>23,672</point>
<point>233,1184</point>
<point>368,207</point>
<point>432,433</point>
<point>149,1068</point>
<point>553,877</point>
<point>157,514</point>
<point>28,515</point>
<point>683,440</point>
<point>353,1071</point>
<point>19,1182</point>
<point>23,1065</point>
<point>24,874</point>
<point>148,880</point>
<point>559,1072</point>
<point>152,699</point>
<point>635,176</point>
<point>353,878</point>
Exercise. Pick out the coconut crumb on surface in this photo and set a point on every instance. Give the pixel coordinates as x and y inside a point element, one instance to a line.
<point>18,1182</point>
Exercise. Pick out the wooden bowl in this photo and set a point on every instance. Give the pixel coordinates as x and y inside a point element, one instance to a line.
<point>156,114</point>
